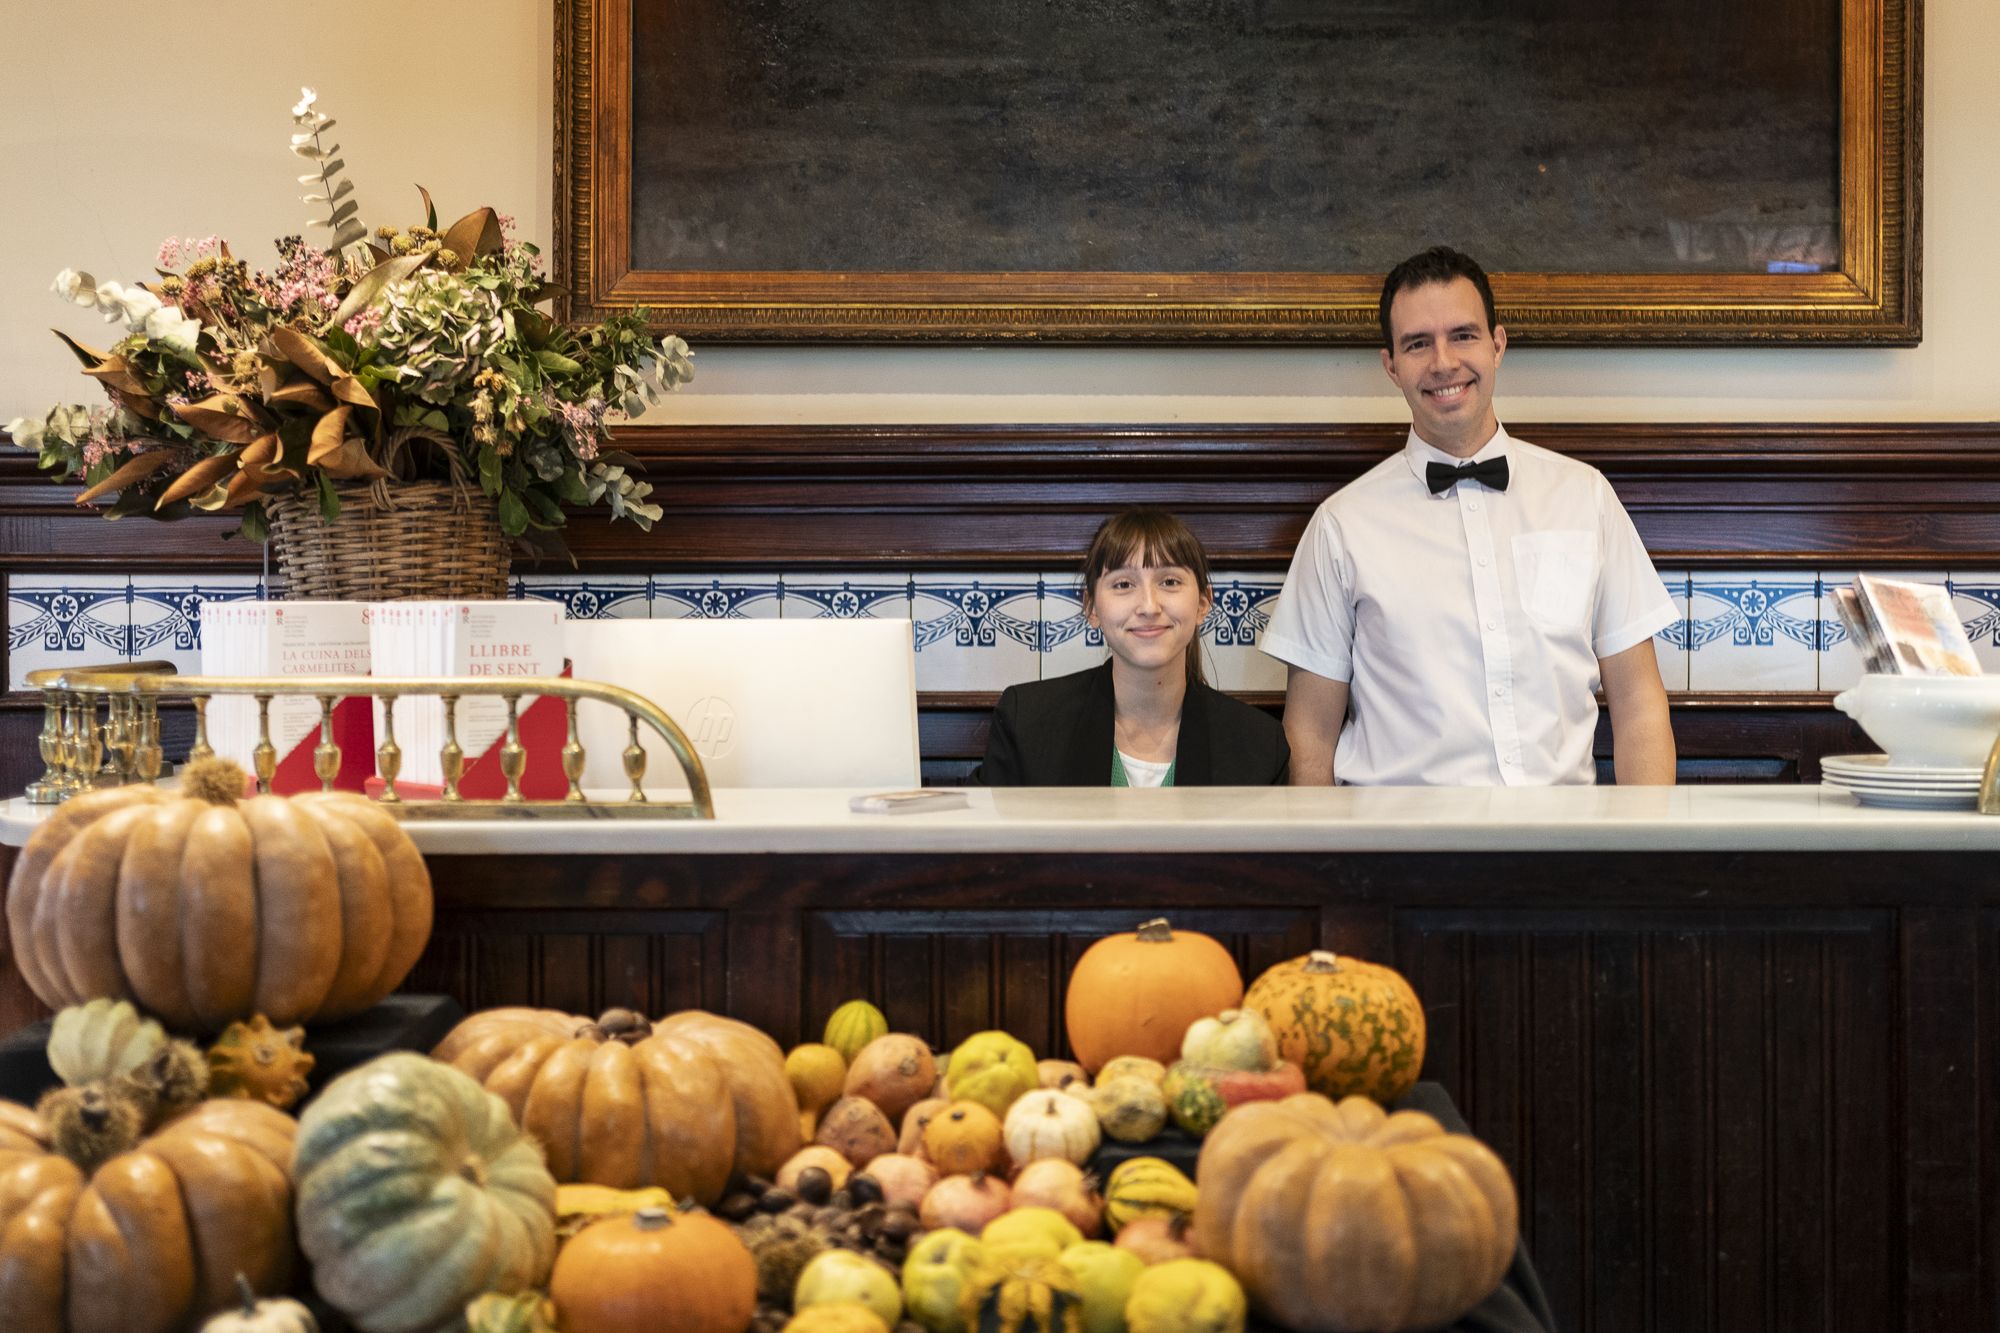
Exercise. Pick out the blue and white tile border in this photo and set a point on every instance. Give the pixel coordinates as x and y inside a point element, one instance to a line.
<point>1741,630</point>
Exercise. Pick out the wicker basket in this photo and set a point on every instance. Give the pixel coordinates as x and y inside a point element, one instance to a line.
<point>434,542</point>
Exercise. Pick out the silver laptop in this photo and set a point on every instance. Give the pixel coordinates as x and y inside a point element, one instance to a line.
<point>766,703</point>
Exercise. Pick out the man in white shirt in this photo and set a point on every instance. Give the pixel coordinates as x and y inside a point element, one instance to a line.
<point>1450,612</point>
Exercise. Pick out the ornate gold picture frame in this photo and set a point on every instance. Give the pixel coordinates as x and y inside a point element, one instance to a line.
<point>1866,291</point>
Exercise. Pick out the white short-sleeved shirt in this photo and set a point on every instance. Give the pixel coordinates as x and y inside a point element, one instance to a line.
<point>1468,624</point>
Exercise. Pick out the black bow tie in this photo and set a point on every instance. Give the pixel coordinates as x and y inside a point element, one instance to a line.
<point>1443,476</point>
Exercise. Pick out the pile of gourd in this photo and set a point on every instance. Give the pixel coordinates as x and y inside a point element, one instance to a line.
<point>544,1171</point>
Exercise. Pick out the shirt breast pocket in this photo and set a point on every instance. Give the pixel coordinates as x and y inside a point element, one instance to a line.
<point>1557,572</point>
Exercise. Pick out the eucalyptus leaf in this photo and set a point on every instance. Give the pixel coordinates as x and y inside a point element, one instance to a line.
<point>489,472</point>
<point>513,514</point>
<point>256,524</point>
<point>557,363</point>
<point>341,214</point>
<point>329,499</point>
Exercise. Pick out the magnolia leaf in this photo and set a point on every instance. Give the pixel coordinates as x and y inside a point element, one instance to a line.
<point>377,253</point>
<point>294,439</point>
<point>303,350</point>
<point>477,233</point>
<point>302,393</point>
<point>263,449</point>
<point>248,484</point>
<point>352,461</point>
<point>138,404</point>
<point>557,363</point>
<point>213,416</point>
<point>328,434</point>
<point>90,356</point>
<point>208,472</point>
<point>353,392</point>
<point>329,500</point>
<point>211,499</point>
<point>371,284</point>
<point>113,372</point>
<point>132,470</point>
<point>430,209</point>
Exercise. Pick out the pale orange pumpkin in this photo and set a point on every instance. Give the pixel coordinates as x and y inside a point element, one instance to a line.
<point>203,909</point>
<point>1339,1217</point>
<point>682,1103</point>
<point>1136,993</point>
<point>665,1272</point>
<point>965,1138</point>
<point>153,1239</point>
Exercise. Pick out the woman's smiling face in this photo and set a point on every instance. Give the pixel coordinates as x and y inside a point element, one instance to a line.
<point>1148,614</point>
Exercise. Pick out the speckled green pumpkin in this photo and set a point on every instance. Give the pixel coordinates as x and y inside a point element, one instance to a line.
<point>1353,1027</point>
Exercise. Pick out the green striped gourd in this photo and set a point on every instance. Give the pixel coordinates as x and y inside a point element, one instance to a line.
<point>1144,1186</point>
<point>853,1026</point>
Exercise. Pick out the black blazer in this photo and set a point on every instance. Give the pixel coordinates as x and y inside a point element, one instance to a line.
<point>1058,733</point>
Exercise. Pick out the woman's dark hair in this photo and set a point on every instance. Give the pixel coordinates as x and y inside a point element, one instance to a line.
<point>1150,538</point>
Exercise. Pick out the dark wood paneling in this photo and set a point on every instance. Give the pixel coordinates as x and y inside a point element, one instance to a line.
<point>851,497</point>
<point>581,961</point>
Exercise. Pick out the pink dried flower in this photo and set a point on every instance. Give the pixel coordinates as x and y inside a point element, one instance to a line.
<point>583,423</point>
<point>365,323</point>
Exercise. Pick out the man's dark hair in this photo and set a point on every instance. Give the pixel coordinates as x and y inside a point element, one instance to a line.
<point>1440,263</point>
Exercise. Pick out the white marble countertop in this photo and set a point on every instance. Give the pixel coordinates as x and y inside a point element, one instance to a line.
<point>1235,819</point>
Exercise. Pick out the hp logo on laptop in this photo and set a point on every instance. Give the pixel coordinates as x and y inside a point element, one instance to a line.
<point>711,726</point>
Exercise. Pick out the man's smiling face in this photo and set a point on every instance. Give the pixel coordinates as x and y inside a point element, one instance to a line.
<point>1444,358</point>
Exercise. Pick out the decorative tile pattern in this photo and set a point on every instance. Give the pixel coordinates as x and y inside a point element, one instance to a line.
<point>854,597</point>
<point>1670,645</point>
<point>1976,593</point>
<point>976,631</point>
<point>716,597</point>
<point>1237,620</point>
<point>1067,643</point>
<point>56,620</point>
<point>1753,630</point>
<point>600,597</point>
<point>166,615</point>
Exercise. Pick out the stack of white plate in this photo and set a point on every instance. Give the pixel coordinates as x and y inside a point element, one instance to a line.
<point>1873,781</point>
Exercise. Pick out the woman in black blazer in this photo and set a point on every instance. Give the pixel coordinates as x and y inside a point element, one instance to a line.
<point>1145,717</point>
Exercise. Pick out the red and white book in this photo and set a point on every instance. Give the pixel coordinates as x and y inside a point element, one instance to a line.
<point>289,639</point>
<point>472,638</point>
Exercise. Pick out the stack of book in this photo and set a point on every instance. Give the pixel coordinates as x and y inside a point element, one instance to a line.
<point>1905,629</point>
<point>289,639</point>
<point>471,638</point>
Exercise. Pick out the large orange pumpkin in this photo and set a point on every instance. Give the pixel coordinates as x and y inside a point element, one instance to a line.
<point>682,1103</point>
<point>1342,1218</point>
<point>656,1270</point>
<point>1353,1027</point>
<point>203,909</point>
<point>1136,993</point>
<point>154,1238</point>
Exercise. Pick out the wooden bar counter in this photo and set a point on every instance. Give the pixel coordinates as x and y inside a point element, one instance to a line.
<point>1731,1040</point>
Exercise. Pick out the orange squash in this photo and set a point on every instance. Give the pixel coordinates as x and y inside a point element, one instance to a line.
<point>1135,994</point>
<point>203,909</point>
<point>152,1240</point>
<point>661,1271</point>
<point>1353,1027</point>
<point>682,1103</point>
<point>1338,1217</point>
<point>965,1138</point>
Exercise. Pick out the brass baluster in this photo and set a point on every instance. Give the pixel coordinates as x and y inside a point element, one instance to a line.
<point>115,735</point>
<point>635,760</point>
<point>48,789</point>
<point>89,749</point>
<point>572,756</point>
<point>388,754</point>
<point>67,746</point>
<point>451,755</point>
<point>513,754</point>
<point>264,758</point>
<point>201,748</point>
<point>326,755</point>
<point>147,756</point>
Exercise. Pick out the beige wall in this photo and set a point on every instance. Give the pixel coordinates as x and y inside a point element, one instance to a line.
<point>122,120</point>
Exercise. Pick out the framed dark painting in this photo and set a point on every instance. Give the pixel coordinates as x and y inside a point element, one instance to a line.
<point>1649,171</point>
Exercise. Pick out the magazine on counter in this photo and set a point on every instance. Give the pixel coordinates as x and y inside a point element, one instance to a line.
<point>1909,629</point>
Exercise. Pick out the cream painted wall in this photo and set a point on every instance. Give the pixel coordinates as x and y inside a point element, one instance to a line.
<point>122,120</point>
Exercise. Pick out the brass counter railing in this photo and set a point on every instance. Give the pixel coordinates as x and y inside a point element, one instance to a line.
<point>82,750</point>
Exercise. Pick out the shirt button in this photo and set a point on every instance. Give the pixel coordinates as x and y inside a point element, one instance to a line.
<point>1473,505</point>
<point>1493,624</point>
<point>1499,691</point>
<point>1482,562</point>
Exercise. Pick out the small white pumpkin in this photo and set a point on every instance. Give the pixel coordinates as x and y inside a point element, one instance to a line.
<point>1050,1123</point>
<point>276,1315</point>
<point>101,1039</point>
<point>1233,1039</point>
